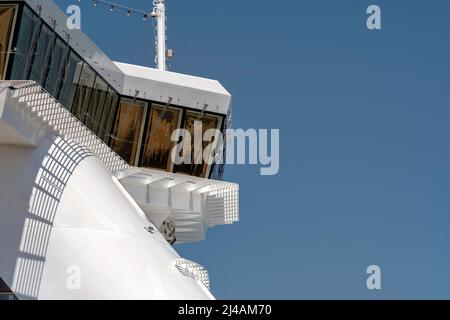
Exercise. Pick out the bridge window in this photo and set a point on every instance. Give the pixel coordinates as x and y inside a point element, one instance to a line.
<point>127,130</point>
<point>201,169</point>
<point>107,115</point>
<point>69,79</point>
<point>158,144</point>
<point>96,103</point>
<point>83,91</point>
<point>6,22</point>
<point>26,42</point>
<point>41,55</point>
<point>56,66</point>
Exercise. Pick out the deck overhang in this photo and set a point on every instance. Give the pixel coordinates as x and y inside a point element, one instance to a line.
<point>191,204</point>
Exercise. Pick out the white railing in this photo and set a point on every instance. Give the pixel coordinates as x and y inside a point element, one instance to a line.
<point>194,271</point>
<point>37,102</point>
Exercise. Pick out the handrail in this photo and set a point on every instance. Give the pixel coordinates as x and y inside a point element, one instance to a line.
<point>95,144</point>
<point>194,271</point>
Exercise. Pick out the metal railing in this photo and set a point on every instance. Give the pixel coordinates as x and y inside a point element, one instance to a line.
<point>194,271</point>
<point>40,104</point>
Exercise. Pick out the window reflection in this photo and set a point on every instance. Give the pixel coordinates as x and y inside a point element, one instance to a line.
<point>84,90</point>
<point>96,102</point>
<point>158,145</point>
<point>107,116</point>
<point>70,78</point>
<point>127,130</point>
<point>208,122</point>
<point>6,20</point>
<point>56,65</point>
<point>26,42</point>
<point>40,57</point>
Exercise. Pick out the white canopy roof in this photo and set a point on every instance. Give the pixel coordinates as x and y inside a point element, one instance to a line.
<point>185,90</point>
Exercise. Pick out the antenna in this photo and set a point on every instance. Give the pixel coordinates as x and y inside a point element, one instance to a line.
<point>159,12</point>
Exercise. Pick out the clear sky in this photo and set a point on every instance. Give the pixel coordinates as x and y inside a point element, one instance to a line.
<point>364,118</point>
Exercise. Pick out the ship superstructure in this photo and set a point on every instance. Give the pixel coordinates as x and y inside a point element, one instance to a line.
<point>90,199</point>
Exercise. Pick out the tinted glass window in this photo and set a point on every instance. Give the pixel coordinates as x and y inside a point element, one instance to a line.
<point>56,67</point>
<point>127,130</point>
<point>96,103</point>
<point>107,116</point>
<point>42,54</point>
<point>25,47</point>
<point>71,76</point>
<point>6,21</point>
<point>84,90</point>
<point>158,144</point>
<point>198,167</point>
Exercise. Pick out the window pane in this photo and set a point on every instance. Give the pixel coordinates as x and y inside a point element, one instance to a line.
<point>56,66</point>
<point>158,144</point>
<point>96,102</point>
<point>84,91</point>
<point>127,129</point>
<point>42,54</point>
<point>27,39</point>
<point>208,122</point>
<point>6,20</point>
<point>72,71</point>
<point>107,115</point>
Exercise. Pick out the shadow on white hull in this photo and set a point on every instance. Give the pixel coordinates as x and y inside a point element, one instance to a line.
<point>69,230</point>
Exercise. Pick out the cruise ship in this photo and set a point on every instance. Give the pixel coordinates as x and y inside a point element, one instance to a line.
<point>91,200</point>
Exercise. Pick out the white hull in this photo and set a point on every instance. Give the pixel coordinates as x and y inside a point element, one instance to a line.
<point>62,211</point>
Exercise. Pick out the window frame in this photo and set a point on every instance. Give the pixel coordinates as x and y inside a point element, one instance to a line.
<point>136,144</point>
<point>12,35</point>
<point>218,127</point>
<point>170,165</point>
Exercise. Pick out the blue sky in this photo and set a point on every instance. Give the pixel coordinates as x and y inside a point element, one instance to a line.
<point>365,139</point>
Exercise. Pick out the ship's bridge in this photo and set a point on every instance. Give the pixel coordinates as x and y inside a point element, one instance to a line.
<point>131,109</point>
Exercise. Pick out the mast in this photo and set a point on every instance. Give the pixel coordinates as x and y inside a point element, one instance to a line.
<point>159,12</point>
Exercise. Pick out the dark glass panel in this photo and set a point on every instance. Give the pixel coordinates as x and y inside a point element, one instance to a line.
<point>75,96</point>
<point>125,140</point>
<point>6,21</point>
<point>98,128</point>
<point>208,122</point>
<point>56,67</point>
<point>158,144</point>
<point>70,78</point>
<point>107,116</point>
<point>42,54</point>
<point>26,45</point>
<point>84,90</point>
<point>96,102</point>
